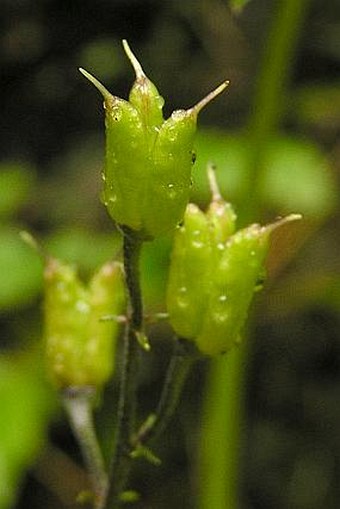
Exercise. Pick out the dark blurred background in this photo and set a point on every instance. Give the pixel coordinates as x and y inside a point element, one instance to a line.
<point>270,161</point>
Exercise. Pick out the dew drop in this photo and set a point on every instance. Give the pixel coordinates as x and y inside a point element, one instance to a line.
<point>112,199</point>
<point>182,299</point>
<point>171,191</point>
<point>220,317</point>
<point>82,307</point>
<point>222,298</point>
<point>116,114</point>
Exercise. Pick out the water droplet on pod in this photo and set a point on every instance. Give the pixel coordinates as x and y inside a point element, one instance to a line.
<point>82,307</point>
<point>171,191</point>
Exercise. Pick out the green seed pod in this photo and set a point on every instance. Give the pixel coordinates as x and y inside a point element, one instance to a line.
<point>234,282</point>
<point>147,174</point>
<point>107,297</point>
<point>125,176</point>
<point>79,345</point>
<point>188,283</point>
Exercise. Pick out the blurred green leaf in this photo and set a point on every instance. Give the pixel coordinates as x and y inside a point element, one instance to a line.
<point>25,407</point>
<point>296,176</point>
<point>88,250</point>
<point>238,5</point>
<point>318,104</point>
<point>16,181</point>
<point>20,268</point>
<point>300,291</point>
<point>103,57</point>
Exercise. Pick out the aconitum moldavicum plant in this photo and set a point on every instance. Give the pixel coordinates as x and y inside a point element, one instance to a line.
<point>214,272</point>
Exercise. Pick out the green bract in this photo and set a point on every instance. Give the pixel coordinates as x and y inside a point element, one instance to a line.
<point>214,274</point>
<point>147,174</point>
<point>80,346</point>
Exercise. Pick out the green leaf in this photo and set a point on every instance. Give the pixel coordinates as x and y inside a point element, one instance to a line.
<point>24,411</point>
<point>318,105</point>
<point>20,268</point>
<point>88,250</point>
<point>238,5</point>
<point>16,181</point>
<point>296,176</point>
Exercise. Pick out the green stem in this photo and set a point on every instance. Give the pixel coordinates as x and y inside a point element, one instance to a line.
<point>271,92</point>
<point>182,359</point>
<point>223,407</point>
<point>121,463</point>
<point>221,433</point>
<point>132,246</point>
<point>78,405</point>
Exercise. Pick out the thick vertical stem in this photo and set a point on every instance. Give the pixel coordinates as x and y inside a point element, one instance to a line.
<point>121,463</point>
<point>78,405</point>
<point>221,433</point>
<point>132,246</point>
<point>271,93</point>
<point>223,420</point>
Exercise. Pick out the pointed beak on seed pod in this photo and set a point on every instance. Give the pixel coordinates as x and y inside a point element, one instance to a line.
<point>233,284</point>
<point>220,213</point>
<point>80,346</point>
<point>147,176</point>
<point>214,273</point>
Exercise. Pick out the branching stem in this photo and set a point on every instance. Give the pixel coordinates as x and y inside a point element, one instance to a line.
<point>182,359</point>
<point>78,405</point>
<point>121,463</point>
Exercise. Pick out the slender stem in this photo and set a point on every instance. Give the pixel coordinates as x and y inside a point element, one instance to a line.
<point>182,359</point>
<point>271,92</point>
<point>223,406</point>
<point>132,246</point>
<point>78,405</point>
<point>121,462</point>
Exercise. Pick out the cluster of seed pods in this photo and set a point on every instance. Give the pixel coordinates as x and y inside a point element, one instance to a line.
<point>214,273</point>
<point>147,175</point>
<point>80,345</point>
